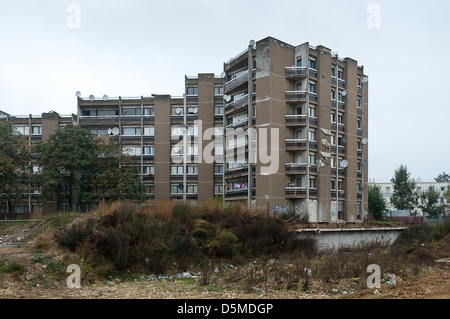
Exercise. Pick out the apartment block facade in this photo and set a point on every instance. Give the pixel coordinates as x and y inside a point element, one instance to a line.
<point>162,132</point>
<point>307,137</point>
<point>317,104</point>
<point>36,128</point>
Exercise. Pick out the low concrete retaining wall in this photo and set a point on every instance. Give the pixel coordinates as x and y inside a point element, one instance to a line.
<point>332,239</point>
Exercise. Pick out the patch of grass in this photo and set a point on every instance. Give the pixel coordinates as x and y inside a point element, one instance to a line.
<point>12,267</point>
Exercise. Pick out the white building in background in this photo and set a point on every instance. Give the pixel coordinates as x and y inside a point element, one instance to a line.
<point>387,189</point>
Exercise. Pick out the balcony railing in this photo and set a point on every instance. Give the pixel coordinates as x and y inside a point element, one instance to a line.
<point>240,102</point>
<point>296,192</point>
<point>296,96</point>
<point>243,169</point>
<point>296,120</point>
<point>232,193</point>
<point>296,72</point>
<point>296,144</point>
<point>296,168</point>
<point>341,83</point>
<point>241,78</point>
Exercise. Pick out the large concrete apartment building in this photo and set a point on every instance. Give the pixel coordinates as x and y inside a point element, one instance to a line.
<point>308,132</point>
<point>317,102</point>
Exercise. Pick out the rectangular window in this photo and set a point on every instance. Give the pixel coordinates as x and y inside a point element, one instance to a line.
<point>299,62</point>
<point>176,170</point>
<point>312,135</point>
<point>358,123</point>
<point>149,150</point>
<point>176,110</point>
<point>218,110</point>
<point>36,130</point>
<point>132,150</point>
<point>176,150</point>
<point>333,117</point>
<point>333,94</point>
<point>192,169</point>
<point>312,87</point>
<point>131,131</point>
<point>218,189</point>
<point>24,130</point>
<point>131,111</point>
<point>312,111</point>
<point>333,184</point>
<point>176,188</point>
<point>312,183</point>
<point>333,71</point>
<point>192,110</point>
<point>149,111</point>
<point>340,118</point>
<point>149,170</point>
<point>312,158</point>
<point>192,90</point>
<point>192,189</point>
<point>149,131</point>
<point>312,63</point>
<point>218,90</point>
<point>341,74</point>
<point>218,169</point>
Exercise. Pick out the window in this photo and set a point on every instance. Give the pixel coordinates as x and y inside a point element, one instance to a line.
<point>333,71</point>
<point>218,90</point>
<point>340,96</point>
<point>312,111</point>
<point>24,130</point>
<point>218,189</point>
<point>106,113</point>
<point>132,150</point>
<point>312,135</point>
<point>358,103</point>
<point>149,111</point>
<point>218,130</point>
<point>299,62</point>
<point>340,118</point>
<point>131,111</point>
<point>192,150</point>
<point>312,183</point>
<point>341,140</point>
<point>333,117</point>
<point>358,166</point>
<point>176,170</point>
<point>149,131</point>
<point>312,158</point>
<point>99,132</point>
<point>388,189</point>
<point>192,130</point>
<point>176,130</point>
<point>333,94</point>
<point>341,74</point>
<point>333,184</point>
<point>176,110</point>
<point>192,169</point>
<point>192,110</point>
<point>358,144</point>
<point>218,110</point>
<point>312,87</point>
<point>176,188</point>
<point>192,189</point>
<point>36,130</point>
<point>149,150</point>
<point>192,90</point>
<point>218,169</point>
<point>333,139</point>
<point>358,124</point>
<point>149,170</point>
<point>312,63</point>
<point>131,131</point>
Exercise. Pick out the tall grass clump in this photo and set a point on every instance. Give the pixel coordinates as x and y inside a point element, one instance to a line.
<point>159,236</point>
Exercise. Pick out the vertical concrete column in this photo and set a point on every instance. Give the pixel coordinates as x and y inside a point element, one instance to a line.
<point>162,146</point>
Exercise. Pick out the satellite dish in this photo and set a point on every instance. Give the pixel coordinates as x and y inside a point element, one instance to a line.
<point>105,98</point>
<point>365,162</point>
<point>240,165</point>
<point>223,75</point>
<point>195,111</point>
<point>109,131</point>
<point>178,110</point>
<point>252,43</point>
<point>91,97</point>
<point>365,79</point>
<point>176,149</point>
<point>78,94</point>
<point>364,141</point>
<point>115,131</point>
<point>344,93</point>
<point>227,98</point>
<point>344,163</point>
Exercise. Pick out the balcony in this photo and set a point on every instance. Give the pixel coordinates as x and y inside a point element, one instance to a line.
<point>296,96</point>
<point>296,144</point>
<point>239,171</point>
<point>300,192</point>
<point>300,168</point>
<point>110,119</point>
<point>238,104</point>
<point>238,193</point>
<point>241,78</point>
<point>296,73</point>
<point>341,83</point>
<point>296,120</point>
<point>296,168</point>
<point>313,73</point>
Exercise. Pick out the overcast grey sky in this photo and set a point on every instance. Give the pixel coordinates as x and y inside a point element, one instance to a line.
<point>140,47</point>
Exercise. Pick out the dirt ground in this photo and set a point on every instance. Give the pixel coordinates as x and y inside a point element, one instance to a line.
<point>432,283</point>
